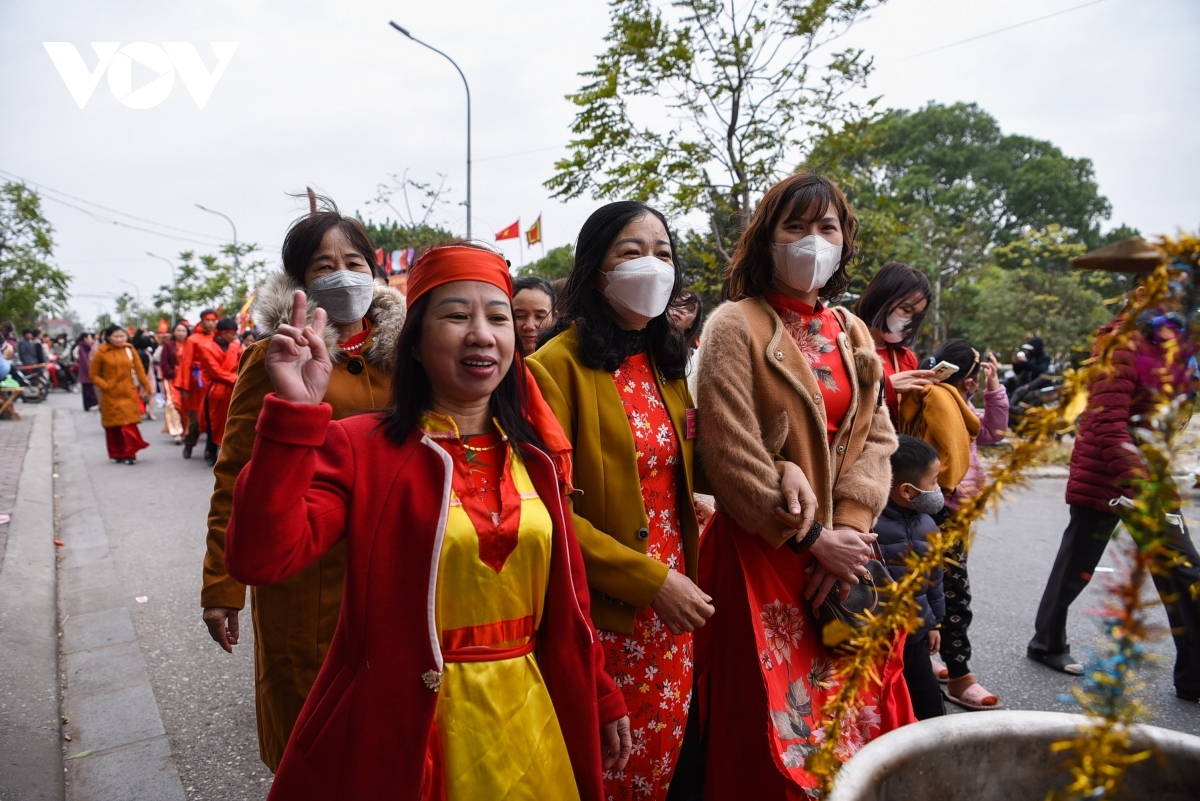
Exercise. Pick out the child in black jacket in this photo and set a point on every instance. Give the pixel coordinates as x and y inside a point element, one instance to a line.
<point>902,528</point>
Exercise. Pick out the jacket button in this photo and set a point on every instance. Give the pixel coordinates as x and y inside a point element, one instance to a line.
<point>354,367</point>
<point>841,449</point>
<point>779,355</point>
<point>643,533</point>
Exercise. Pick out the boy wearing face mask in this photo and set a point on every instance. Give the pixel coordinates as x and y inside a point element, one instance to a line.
<point>903,528</point>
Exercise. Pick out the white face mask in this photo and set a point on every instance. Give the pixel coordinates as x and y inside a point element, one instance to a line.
<point>897,327</point>
<point>345,295</point>
<point>639,289</point>
<point>808,263</point>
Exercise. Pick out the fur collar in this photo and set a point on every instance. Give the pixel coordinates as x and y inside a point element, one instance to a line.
<point>273,308</point>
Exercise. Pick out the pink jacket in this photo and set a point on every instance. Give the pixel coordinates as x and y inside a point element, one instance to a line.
<point>993,422</point>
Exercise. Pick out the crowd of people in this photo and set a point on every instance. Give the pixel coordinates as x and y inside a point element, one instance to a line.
<point>510,538</point>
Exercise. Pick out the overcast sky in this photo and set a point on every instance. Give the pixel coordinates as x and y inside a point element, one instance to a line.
<point>326,94</point>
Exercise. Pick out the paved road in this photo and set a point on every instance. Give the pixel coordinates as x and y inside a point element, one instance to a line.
<point>153,515</point>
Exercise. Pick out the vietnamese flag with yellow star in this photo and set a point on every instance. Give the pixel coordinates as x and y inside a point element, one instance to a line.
<point>511,232</point>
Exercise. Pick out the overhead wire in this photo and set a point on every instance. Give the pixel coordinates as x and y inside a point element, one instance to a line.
<point>49,193</point>
<point>977,37</point>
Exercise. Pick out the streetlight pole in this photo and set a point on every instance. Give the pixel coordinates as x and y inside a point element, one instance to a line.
<point>174,283</point>
<point>468,88</point>
<point>137,294</point>
<point>236,263</point>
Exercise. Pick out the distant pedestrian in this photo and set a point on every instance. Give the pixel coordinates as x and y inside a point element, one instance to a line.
<point>30,350</point>
<point>83,360</point>
<point>534,301</point>
<point>116,369</point>
<point>169,355</point>
<point>249,337</point>
<point>218,367</point>
<point>188,379</point>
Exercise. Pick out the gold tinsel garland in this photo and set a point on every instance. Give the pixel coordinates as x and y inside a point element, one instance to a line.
<point>1102,751</point>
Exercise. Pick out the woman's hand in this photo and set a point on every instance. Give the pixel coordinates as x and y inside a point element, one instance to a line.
<point>681,605</point>
<point>222,622</point>
<point>615,743</point>
<point>799,498</point>
<point>297,360</point>
<point>991,370</point>
<point>842,555</point>
<point>912,379</point>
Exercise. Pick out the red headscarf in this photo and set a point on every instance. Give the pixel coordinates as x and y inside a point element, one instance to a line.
<point>445,265</point>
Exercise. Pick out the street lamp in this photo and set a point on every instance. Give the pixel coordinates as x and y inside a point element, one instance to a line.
<point>174,282</point>
<point>236,264</point>
<point>137,294</point>
<point>468,88</point>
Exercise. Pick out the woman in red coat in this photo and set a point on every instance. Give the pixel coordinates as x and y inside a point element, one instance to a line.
<point>464,664</point>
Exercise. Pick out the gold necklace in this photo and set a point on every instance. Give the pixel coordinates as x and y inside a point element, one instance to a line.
<point>473,449</point>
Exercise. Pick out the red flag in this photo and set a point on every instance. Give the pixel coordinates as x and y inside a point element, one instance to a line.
<point>533,234</point>
<point>379,256</point>
<point>511,232</point>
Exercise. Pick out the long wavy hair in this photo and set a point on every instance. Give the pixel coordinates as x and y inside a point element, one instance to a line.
<point>603,344</point>
<point>412,390</point>
<point>798,197</point>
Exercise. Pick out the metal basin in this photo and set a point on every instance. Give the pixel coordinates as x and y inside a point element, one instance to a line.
<point>1005,756</point>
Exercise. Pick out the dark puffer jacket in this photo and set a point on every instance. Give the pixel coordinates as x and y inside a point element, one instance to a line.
<point>1105,458</point>
<point>902,531</point>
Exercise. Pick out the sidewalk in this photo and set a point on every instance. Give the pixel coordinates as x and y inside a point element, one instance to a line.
<point>31,767</point>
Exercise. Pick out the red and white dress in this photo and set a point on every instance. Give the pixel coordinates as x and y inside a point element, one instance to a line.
<point>652,667</point>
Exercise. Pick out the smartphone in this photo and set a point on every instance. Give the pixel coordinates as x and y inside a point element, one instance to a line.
<point>944,370</point>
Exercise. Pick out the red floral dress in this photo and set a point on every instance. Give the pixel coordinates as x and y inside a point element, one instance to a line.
<point>815,332</point>
<point>652,667</point>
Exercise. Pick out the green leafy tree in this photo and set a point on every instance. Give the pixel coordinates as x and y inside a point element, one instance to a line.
<point>224,280</point>
<point>391,235</point>
<point>30,285</point>
<point>700,105</point>
<point>557,263</point>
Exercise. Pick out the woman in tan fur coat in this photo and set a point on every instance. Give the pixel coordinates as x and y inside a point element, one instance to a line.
<point>786,382</point>
<point>331,257</point>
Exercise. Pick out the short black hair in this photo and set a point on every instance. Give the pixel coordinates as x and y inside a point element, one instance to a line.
<point>538,283</point>
<point>304,237</point>
<point>227,324</point>
<point>888,288</point>
<point>204,313</point>
<point>911,459</point>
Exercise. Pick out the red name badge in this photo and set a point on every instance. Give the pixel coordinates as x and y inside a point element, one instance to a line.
<point>689,424</point>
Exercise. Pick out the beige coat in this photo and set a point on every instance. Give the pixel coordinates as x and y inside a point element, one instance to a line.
<point>757,397</point>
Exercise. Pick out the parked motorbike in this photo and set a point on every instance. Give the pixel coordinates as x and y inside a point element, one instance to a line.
<point>34,380</point>
<point>1041,391</point>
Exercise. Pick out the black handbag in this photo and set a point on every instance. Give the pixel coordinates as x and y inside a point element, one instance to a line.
<point>839,619</point>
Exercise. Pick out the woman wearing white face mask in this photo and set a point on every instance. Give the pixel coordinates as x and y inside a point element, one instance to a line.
<point>893,306</point>
<point>614,374</point>
<point>789,392</point>
<point>331,257</point>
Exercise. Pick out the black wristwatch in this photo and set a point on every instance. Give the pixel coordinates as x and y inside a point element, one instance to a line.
<point>814,531</point>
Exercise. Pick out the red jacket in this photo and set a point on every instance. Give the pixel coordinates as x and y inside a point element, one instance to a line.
<point>218,371</point>
<point>364,730</point>
<point>896,359</point>
<point>1105,458</point>
<point>188,371</point>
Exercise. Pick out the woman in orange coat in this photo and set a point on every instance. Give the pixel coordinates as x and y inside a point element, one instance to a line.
<point>117,372</point>
<point>294,620</point>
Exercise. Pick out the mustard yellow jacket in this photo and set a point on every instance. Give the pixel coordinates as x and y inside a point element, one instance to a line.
<point>607,510</point>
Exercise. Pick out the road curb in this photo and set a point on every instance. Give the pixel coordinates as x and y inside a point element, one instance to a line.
<point>119,747</point>
<point>31,767</point>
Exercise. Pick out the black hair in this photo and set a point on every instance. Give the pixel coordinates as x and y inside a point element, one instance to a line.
<point>911,459</point>
<point>887,289</point>
<point>185,325</point>
<point>412,392</point>
<point>227,324</point>
<point>304,238</point>
<point>960,352</point>
<point>687,298</point>
<point>603,344</point>
<point>538,283</point>
<point>206,312</point>
<point>82,336</point>
<point>110,330</point>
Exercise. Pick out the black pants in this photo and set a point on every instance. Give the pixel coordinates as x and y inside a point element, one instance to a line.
<point>923,686</point>
<point>956,645</point>
<point>1083,544</point>
<point>192,436</point>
